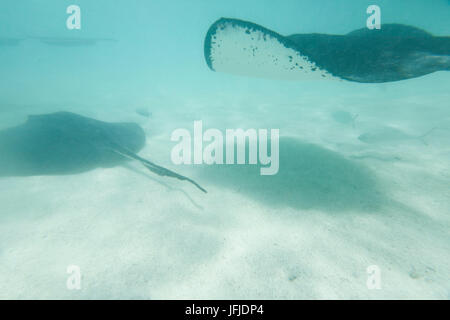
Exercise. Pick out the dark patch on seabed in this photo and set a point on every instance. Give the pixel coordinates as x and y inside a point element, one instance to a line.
<point>309,177</point>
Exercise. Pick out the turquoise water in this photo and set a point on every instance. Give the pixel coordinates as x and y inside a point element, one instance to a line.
<point>341,201</point>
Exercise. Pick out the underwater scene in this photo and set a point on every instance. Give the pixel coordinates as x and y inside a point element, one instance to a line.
<point>239,149</point>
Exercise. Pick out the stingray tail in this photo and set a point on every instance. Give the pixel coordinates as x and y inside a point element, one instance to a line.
<point>161,171</point>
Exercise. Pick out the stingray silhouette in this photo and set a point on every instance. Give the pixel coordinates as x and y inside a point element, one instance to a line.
<point>396,52</point>
<point>67,143</point>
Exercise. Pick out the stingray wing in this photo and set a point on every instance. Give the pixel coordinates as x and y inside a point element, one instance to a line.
<point>244,48</point>
<point>396,52</point>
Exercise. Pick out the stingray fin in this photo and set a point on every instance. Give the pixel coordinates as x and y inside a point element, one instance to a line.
<point>161,171</point>
<point>243,48</point>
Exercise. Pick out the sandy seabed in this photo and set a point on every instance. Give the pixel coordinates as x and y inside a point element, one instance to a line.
<point>337,206</point>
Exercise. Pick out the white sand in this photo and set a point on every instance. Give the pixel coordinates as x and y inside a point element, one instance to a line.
<point>135,235</point>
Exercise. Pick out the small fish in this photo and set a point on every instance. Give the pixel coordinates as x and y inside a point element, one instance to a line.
<point>143,112</point>
<point>391,135</point>
<point>344,117</point>
<point>376,156</point>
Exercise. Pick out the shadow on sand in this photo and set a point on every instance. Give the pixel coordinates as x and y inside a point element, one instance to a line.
<point>309,177</point>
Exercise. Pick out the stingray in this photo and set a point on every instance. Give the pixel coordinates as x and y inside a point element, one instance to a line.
<point>388,135</point>
<point>144,112</point>
<point>10,41</point>
<point>395,52</point>
<point>67,143</point>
